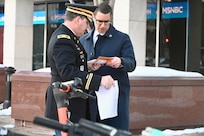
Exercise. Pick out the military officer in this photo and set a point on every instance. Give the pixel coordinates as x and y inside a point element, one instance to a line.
<point>68,59</point>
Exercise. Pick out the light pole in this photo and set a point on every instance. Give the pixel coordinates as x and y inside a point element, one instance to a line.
<point>7,101</point>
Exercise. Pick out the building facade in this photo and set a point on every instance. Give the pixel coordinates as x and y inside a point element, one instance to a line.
<point>166,33</point>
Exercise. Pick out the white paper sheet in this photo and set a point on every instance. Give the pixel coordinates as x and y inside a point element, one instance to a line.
<point>108,101</point>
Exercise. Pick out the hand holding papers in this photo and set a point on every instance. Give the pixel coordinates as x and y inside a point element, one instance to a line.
<point>103,60</point>
<point>108,101</point>
<point>95,64</point>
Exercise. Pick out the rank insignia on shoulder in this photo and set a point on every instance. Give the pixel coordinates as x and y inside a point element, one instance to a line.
<point>63,36</point>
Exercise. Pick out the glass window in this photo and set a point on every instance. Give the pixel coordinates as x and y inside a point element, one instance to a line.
<point>1,33</point>
<point>55,18</point>
<point>47,17</point>
<point>38,35</point>
<point>202,40</point>
<point>172,34</point>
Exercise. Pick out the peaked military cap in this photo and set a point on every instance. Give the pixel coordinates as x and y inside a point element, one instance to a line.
<point>81,9</point>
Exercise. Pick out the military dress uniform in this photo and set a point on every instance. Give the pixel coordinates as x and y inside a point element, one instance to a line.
<point>68,59</point>
<point>113,43</point>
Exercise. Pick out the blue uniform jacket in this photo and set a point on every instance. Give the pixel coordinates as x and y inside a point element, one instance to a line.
<point>113,43</point>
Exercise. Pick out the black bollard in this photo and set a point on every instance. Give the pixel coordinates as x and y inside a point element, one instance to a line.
<point>7,101</point>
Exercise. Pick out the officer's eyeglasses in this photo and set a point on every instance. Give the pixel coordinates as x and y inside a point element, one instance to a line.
<point>100,22</point>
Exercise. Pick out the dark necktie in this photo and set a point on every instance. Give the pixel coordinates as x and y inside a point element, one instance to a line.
<point>97,43</point>
<point>98,39</point>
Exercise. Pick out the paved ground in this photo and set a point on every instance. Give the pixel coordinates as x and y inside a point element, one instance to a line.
<point>6,120</point>
<point>23,131</point>
<point>40,131</point>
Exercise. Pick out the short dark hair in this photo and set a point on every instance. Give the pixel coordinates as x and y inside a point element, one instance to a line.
<point>104,8</point>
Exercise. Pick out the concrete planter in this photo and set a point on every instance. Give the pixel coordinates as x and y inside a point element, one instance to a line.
<point>157,102</point>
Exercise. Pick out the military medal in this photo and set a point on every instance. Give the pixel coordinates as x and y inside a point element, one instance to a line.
<point>82,68</point>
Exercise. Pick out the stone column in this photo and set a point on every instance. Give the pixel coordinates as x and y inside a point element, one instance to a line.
<point>18,34</point>
<point>130,17</point>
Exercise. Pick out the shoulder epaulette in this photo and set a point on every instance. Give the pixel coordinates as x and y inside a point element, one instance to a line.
<point>63,36</point>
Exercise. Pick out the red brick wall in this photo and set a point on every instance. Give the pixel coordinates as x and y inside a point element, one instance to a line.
<point>166,102</point>
<point>156,102</point>
<point>28,94</point>
<point>2,84</point>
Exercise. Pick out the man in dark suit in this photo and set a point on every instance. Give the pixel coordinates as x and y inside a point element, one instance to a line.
<point>68,59</point>
<point>105,40</point>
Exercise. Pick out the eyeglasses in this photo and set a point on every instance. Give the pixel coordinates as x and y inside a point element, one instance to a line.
<point>100,22</point>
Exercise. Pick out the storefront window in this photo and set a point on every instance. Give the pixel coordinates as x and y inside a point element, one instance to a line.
<point>202,40</point>
<point>1,33</point>
<point>38,35</point>
<point>47,17</point>
<point>172,34</point>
